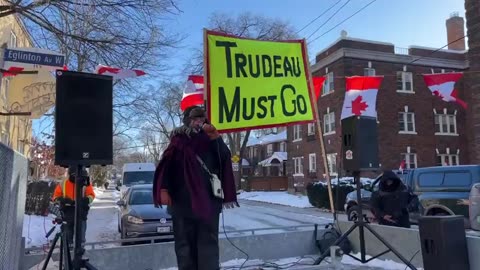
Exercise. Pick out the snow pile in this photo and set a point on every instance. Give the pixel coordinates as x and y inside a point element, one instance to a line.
<point>387,264</point>
<point>275,197</point>
<point>306,261</point>
<point>348,181</point>
<point>35,228</point>
<point>98,190</point>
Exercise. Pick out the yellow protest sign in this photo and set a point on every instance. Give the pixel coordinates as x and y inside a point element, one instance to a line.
<point>256,84</point>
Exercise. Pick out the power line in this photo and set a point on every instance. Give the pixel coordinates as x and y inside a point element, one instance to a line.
<point>318,17</point>
<point>437,50</point>
<point>338,10</point>
<point>358,11</point>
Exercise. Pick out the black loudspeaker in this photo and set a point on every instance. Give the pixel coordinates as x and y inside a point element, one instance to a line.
<point>359,144</point>
<point>83,119</point>
<point>443,242</point>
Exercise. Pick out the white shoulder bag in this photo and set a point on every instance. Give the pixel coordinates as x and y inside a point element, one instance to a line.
<point>214,180</point>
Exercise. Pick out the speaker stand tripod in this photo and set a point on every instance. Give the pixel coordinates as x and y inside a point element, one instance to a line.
<point>361,225</point>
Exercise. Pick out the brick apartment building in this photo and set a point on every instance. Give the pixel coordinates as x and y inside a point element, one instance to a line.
<point>413,125</point>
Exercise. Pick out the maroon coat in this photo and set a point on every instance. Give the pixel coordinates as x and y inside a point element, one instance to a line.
<point>184,148</point>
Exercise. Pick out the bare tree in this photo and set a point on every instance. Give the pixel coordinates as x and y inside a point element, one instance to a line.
<point>121,33</point>
<point>154,144</point>
<point>245,25</point>
<point>160,113</point>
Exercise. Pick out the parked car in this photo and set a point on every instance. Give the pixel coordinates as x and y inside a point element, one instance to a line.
<point>138,217</point>
<point>441,191</point>
<point>351,203</point>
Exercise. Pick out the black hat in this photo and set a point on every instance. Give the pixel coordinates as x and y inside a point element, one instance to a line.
<point>192,112</point>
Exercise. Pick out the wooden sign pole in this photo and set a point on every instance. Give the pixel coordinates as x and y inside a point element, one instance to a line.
<point>319,132</point>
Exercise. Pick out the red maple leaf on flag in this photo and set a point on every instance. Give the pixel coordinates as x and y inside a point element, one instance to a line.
<point>358,105</point>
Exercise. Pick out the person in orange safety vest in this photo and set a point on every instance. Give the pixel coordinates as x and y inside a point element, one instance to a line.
<point>65,194</point>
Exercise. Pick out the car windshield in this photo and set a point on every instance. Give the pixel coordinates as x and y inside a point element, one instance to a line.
<point>136,178</point>
<point>141,197</point>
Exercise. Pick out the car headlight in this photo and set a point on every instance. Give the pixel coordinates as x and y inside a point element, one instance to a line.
<point>134,220</point>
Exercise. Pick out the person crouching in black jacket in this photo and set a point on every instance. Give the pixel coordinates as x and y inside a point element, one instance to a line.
<point>391,202</point>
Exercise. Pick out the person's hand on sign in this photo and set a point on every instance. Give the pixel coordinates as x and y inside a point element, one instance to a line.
<point>210,130</point>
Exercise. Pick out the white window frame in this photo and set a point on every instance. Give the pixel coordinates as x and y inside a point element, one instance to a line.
<point>369,71</point>
<point>312,162</point>
<point>328,84</point>
<point>332,164</point>
<point>297,133</point>
<point>329,123</point>
<point>298,166</point>
<point>448,118</point>
<point>311,129</point>
<point>446,159</point>
<point>406,76</point>
<point>408,159</point>
<point>404,116</point>
<point>269,149</point>
<point>283,146</point>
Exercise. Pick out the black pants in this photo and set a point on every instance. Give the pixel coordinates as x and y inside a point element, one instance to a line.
<point>196,243</point>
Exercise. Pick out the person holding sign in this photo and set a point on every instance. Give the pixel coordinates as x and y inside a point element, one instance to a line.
<point>195,179</point>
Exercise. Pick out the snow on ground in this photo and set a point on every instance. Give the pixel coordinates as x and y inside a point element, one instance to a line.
<point>101,223</point>
<point>277,197</point>
<point>35,228</point>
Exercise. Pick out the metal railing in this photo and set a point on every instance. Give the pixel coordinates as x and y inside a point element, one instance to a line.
<point>152,239</point>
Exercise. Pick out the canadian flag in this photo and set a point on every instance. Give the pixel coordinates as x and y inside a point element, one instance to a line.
<point>442,85</point>
<point>318,85</point>
<point>361,96</point>
<point>193,92</point>
<point>118,73</point>
<point>12,71</point>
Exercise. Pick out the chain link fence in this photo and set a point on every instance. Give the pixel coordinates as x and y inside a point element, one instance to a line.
<point>13,185</point>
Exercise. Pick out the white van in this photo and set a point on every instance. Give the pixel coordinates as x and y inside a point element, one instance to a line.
<point>136,174</point>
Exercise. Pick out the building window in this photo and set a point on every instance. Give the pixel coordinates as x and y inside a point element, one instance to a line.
<point>13,40</point>
<point>332,164</point>
<point>283,147</point>
<point>312,162</point>
<point>298,166</point>
<point>253,152</point>
<point>311,129</point>
<point>447,160</point>
<point>368,72</point>
<point>445,124</point>
<point>404,81</point>
<point>328,84</point>
<point>406,122</point>
<point>410,160</point>
<point>269,149</point>
<point>329,123</point>
<point>297,133</point>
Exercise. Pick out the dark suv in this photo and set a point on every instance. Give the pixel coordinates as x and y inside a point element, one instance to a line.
<point>441,191</point>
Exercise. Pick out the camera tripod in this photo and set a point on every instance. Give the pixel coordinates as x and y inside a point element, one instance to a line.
<point>66,261</point>
<point>361,224</point>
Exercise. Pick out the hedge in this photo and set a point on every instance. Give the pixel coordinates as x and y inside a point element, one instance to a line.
<point>318,194</point>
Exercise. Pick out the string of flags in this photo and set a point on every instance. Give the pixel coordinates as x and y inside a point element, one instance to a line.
<point>360,96</point>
